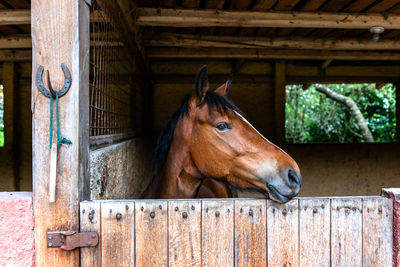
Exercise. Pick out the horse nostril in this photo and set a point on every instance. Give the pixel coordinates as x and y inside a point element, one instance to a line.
<point>293,178</point>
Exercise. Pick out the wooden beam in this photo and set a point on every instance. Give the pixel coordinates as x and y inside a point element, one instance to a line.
<point>60,34</point>
<point>326,63</point>
<point>223,18</point>
<point>154,52</point>
<point>15,16</point>
<point>186,40</point>
<point>279,103</point>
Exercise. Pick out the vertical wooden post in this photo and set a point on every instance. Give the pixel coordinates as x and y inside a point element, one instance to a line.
<point>10,120</point>
<point>280,84</point>
<point>60,34</point>
<point>397,111</point>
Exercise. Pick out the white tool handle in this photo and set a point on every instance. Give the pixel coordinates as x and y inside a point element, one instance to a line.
<point>53,173</point>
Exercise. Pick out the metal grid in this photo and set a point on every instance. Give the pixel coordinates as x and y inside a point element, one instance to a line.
<point>111,89</point>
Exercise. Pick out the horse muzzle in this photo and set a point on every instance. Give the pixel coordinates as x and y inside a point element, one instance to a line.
<point>288,187</point>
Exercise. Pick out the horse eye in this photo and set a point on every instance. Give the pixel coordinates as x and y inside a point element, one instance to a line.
<point>223,127</point>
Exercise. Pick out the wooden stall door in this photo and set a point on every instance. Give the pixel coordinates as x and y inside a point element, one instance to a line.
<point>240,232</point>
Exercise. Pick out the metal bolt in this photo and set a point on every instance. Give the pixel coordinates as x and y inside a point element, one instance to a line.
<point>228,210</point>
<point>192,207</point>
<point>353,209</point>
<point>93,235</point>
<point>50,244</point>
<point>251,213</point>
<point>217,214</point>
<point>118,216</point>
<point>337,208</point>
<point>380,210</point>
<point>323,206</point>
<point>90,216</point>
<point>284,212</point>
<point>50,237</point>
<point>110,210</point>
<point>152,214</point>
<point>141,209</point>
<point>314,210</point>
<point>83,211</point>
<point>347,211</point>
<point>184,215</point>
<point>62,236</point>
<point>241,210</point>
<point>176,208</point>
<point>160,207</point>
<point>126,207</point>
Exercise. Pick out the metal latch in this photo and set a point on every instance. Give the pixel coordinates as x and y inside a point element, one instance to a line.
<point>69,240</point>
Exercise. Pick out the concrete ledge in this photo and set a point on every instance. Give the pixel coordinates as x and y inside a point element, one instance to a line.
<point>394,194</point>
<point>16,229</point>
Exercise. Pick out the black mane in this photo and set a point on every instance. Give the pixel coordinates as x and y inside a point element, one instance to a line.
<point>160,153</point>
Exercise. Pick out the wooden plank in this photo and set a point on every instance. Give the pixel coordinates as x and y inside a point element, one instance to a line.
<point>72,185</point>
<point>184,233</point>
<point>187,40</point>
<point>226,53</point>
<point>346,232</point>
<point>218,232</point>
<point>314,226</point>
<point>209,18</point>
<point>377,232</point>
<point>151,221</point>
<point>15,16</point>
<point>117,233</point>
<point>283,235</point>
<point>250,232</point>
<point>90,220</point>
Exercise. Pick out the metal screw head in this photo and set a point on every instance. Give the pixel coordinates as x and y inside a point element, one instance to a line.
<point>323,206</point>
<point>90,216</point>
<point>50,244</point>
<point>380,210</point>
<point>160,207</point>
<point>176,208</point>
<point>141,208</point>
<point>192,207</point>
<point>118,216</point>
<point>126,207</point>
<point>347,211</point>
<point>50,237</point>
<point>251,213</point>
<point>152,214</point>
<point>217,213</point>
<point>314,210</point>
<point>184,215</point>
<point>62,236</point>
<point>93,235</point>
<point>284,212</point>
<point>83,211</point>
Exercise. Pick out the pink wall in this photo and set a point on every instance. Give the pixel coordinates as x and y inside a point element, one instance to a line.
<point>16,229</point>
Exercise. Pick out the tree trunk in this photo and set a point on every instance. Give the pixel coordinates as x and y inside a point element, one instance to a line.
<point>352,107</point>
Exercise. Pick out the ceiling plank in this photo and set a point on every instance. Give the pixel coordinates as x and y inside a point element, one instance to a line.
<point>155,52</point>
<point>197,41</point>
<point>211,18</point>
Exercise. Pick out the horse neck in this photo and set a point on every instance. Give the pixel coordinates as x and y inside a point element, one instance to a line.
<point>179,177</point>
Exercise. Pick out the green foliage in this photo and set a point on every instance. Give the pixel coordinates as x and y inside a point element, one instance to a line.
<point>311,117</point>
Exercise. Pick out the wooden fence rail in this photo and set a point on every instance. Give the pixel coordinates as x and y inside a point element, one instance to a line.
<point>354,231</point>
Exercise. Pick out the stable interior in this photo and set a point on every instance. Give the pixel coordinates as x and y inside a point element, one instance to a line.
<point>140,72</point>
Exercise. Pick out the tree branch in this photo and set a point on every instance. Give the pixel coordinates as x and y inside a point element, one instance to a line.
<point>351,106</point>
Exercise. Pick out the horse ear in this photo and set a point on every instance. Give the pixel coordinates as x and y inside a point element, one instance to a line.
<point>224,89</point>
<point>202,85</point>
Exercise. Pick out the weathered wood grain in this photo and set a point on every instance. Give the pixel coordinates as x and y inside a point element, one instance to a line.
<point>217,233</point>
<point>60,34</point>
<point>377,237</point>
<point>151,223</point>
<point>282,233</point>
<point>250,232</point>
<point>90,220</point>
<point>117,233</point>
<point>184,233</point>
<point>209,18</point>
<point>279,103</point>
<point>314,227</point>
<point>346,232</point>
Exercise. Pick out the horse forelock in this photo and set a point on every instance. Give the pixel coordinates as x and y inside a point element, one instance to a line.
<point>213,100</point>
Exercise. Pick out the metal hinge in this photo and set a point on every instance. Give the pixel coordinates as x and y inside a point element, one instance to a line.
<point>69,240</point>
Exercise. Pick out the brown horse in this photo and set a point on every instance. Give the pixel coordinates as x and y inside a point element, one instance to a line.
<point>208,143</point>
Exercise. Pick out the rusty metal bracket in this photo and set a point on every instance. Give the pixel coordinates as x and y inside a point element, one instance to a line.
<point>48,93</point>
<point>70,240</point>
